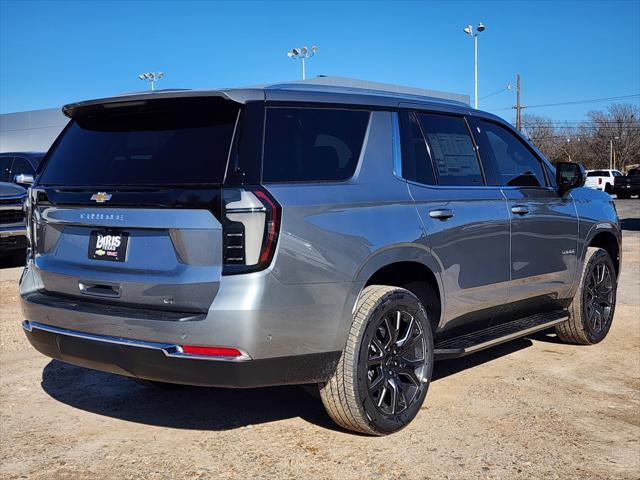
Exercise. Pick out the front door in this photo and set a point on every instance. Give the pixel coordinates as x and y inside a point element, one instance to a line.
<point>544,225</point>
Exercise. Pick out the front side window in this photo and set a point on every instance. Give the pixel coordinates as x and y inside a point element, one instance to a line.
<point>616,173</point>
<point>516,166</point>
<point>452,150</point>
<point>312,144</point>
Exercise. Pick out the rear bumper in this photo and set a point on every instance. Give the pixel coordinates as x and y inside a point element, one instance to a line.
<point>254,313</point>
<point>626,190</point>
<point>165,362</point>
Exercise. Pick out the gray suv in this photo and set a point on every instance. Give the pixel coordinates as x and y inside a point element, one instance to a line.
<point>298,234</point>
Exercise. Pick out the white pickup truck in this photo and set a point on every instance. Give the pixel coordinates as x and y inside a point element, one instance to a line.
<point>602,179</point>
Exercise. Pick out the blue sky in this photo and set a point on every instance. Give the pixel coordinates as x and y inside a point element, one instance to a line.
<point>54,52</point>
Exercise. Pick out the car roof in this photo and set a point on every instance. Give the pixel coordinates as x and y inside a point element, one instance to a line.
<point>332,90</point>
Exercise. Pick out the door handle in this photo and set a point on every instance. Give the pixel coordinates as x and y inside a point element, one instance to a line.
<point>519,209</point>
<point>441,213</point>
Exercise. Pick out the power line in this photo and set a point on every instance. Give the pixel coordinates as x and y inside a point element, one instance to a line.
<point>603,135</point>
<point>561,122</point>
<point>508,87</point>
<point>591,127</point>
<point>578,102</point>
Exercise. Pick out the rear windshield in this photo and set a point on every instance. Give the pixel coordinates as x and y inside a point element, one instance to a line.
<point>164,143</point>
<point>598,173</point>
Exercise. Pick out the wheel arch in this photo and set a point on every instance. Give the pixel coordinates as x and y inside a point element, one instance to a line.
<point>410,267</point>
<point>606,240</point>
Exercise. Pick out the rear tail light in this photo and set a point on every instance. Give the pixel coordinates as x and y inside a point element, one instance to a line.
<point>250,227</point>
<point>599,180</point>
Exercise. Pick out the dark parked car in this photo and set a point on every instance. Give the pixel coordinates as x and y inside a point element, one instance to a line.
<point>625,187</point>
<point>19,167</point>
<point>12,228</point>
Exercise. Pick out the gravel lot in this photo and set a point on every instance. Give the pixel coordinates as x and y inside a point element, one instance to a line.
<point>533,408</point>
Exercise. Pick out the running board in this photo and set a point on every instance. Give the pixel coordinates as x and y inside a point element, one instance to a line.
<point>473,342</point>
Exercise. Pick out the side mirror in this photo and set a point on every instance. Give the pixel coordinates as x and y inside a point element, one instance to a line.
<point>570,175</point>
<point>23,179</point>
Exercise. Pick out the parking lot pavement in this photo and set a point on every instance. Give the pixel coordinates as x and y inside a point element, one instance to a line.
<point>534,408</point>
<point>10,273</point>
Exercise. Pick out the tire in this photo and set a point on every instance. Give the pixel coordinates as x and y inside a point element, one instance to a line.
<point>608,189</point>
<point>590,317</point>
<point>383,375</point>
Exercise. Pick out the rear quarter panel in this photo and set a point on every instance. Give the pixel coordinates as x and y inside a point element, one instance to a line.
<point>343,232</point>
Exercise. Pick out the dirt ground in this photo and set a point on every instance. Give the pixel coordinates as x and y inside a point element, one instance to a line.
<point>533,408</point>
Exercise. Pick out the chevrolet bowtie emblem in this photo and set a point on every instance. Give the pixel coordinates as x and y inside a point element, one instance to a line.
<point>101,197</point>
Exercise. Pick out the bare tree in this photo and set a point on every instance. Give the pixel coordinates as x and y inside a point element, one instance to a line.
<point>541,132</point>
<point>618,129</point>
<point>590,142</point>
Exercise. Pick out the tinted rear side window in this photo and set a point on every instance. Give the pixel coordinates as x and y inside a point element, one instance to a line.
<point>452,150</point>
<point>312,144</point>
<point>173,143</point>
<point>416,163</point>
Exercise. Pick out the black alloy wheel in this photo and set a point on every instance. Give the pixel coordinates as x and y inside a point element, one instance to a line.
<point>396,363</point>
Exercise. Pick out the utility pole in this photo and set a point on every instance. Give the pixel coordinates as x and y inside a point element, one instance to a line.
<point>612,153</point>
<point>518,106</point>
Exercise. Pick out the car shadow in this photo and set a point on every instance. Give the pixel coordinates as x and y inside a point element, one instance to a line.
<point>631,224</point>
<point>183,407</point>
<point>214,409</point>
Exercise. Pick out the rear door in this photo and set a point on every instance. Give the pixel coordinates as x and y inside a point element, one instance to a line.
<point>544,225</point>
<point>466,221</point>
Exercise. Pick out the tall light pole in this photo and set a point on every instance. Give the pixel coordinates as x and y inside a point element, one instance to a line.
<point>474,33</point>
<point>302,53</point>
<point>151,77</point>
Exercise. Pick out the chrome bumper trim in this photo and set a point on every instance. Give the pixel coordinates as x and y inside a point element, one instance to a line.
<point>10,207</point>
<point>170,350</point>
<point>14,230</point>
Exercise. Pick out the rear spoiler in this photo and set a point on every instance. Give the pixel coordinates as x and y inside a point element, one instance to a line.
<point>241,96</point>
